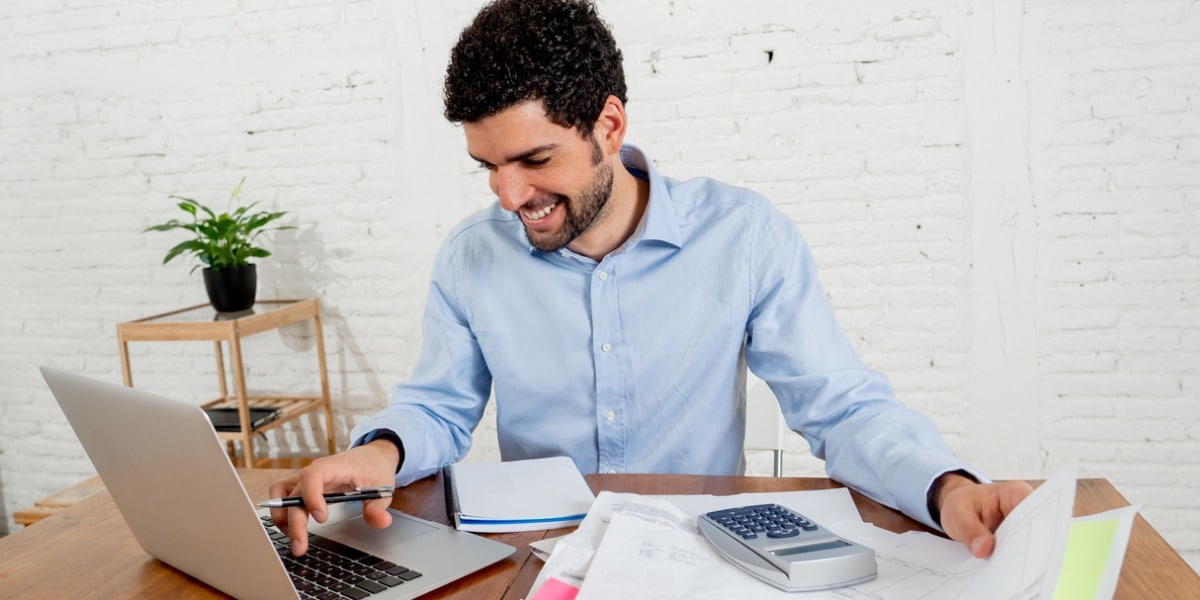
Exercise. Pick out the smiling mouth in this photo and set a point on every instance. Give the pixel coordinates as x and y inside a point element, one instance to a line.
<point>535,215</point>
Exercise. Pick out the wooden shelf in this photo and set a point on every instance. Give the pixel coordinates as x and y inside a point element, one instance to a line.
<point>202,323</point>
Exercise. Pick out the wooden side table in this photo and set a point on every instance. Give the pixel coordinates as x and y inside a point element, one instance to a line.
<point>202,323</point>
<point>57,501</point>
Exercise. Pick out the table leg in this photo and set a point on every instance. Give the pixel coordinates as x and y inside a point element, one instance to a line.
<point>243,403</point>
<point>329,433</point>
<point>126,373</point>
<point>221,370</point>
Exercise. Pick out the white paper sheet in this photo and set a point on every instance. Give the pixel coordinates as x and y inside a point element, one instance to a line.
<point>572,554</point>
<point>542,548</point>
<point>641,547</point>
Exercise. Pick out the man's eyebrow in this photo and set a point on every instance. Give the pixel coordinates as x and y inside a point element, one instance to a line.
<point>520,156</point>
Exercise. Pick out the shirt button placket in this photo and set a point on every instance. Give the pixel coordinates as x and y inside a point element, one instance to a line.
<point>608,380</point>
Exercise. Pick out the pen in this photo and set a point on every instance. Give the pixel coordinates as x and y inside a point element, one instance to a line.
<point>368,493</point>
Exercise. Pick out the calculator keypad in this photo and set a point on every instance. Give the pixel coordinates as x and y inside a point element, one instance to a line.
<point>772,520</point>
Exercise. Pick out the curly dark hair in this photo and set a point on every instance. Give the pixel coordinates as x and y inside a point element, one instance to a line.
<point>556,51</point>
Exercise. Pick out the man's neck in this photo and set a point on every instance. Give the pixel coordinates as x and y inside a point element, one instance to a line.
<point>619,218</point>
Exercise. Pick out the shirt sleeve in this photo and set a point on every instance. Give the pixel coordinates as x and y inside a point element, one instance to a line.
<point>435,412</point>
<point>847,412</point>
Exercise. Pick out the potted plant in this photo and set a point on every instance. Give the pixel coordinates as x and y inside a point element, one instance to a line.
<point>224,244</point>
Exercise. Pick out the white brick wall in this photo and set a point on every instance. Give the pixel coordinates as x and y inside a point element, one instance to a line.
<point>1002,198</point>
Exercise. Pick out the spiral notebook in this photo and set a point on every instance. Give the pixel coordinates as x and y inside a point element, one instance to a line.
<point>519,495</point>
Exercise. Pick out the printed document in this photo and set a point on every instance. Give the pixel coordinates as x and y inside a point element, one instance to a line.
<point>636,547</point>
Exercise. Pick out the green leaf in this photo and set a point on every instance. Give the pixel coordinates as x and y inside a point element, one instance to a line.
<point>206,210</point>
<point>239,214</point>
<point>188,246</point>
<point>223,240</point>
<point>207,229</point>
<point>257,221</point>
<point>169,225</point>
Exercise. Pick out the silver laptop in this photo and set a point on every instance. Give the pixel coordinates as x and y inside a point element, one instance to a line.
<point>168,473</point>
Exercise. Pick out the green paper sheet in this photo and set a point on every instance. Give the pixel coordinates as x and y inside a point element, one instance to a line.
<point>1089,544</point>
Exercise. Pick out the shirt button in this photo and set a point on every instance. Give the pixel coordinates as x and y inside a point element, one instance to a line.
<point>610,415</point>
<point>605,347</point>
<point>603,275</point>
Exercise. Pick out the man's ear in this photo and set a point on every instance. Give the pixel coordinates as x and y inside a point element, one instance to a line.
<point>609,130</point>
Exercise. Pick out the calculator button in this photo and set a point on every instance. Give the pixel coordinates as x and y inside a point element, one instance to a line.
<point>783,533</point>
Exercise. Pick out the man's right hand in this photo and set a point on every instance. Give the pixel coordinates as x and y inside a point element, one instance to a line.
<point>368,465</point>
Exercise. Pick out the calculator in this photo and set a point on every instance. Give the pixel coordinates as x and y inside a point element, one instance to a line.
<point>786,550</point>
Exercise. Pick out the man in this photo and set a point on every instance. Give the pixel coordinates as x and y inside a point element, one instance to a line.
<point>613,311</point>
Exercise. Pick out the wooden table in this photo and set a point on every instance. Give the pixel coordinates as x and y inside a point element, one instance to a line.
<point>57,501</point>
<point>86,551</point>
<point>202,323</point>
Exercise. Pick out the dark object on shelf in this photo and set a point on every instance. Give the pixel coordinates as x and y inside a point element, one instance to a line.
<point>226,419</point>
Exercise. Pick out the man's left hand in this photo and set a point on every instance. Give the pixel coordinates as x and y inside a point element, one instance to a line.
<point>972,511</point>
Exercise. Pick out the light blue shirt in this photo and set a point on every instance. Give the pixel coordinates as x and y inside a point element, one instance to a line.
<point>636,363</point>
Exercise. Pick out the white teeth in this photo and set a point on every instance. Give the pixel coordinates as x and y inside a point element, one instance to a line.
<point>537,214</point>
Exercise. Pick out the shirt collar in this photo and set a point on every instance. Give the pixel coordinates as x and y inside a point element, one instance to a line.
<point>659,223</point>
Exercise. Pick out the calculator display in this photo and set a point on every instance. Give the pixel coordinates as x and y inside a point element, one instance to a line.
<point>809,548</point>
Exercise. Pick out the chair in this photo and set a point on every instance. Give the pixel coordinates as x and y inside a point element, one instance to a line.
<point>765,426</point>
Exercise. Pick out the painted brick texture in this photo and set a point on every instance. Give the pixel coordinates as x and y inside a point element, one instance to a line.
<point>1002,200</point>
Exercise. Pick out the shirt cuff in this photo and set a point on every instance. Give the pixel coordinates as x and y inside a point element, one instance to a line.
<point>931,508</point>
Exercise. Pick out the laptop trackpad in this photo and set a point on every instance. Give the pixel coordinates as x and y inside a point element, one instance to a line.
<point>354,531</point>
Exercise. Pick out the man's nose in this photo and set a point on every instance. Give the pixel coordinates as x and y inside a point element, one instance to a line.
<point>512,189</point>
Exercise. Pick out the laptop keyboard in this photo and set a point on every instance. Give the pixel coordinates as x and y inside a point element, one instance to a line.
<point>334,571</point>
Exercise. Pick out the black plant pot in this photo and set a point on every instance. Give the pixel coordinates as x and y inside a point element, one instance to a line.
<point>231,290</point>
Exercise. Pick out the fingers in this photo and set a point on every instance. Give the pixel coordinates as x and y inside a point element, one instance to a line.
<point>312,489</point>
<point>297,530</point>
<point>982,544</point>
<point>1012,493</point>
<point>965,523</point>
<point>357,467</point>
<point>292,521</point>
<point>375,512</point>
<point>310,486</point>
<point>280,489</point>
<point>978,538</point>
<point>970,514</point>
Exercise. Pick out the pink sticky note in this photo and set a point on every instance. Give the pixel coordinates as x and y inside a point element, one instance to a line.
<point>554,589</point>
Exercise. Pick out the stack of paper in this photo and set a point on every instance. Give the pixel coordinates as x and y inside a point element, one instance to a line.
<point>522,495</point>
<point>639,547</point>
